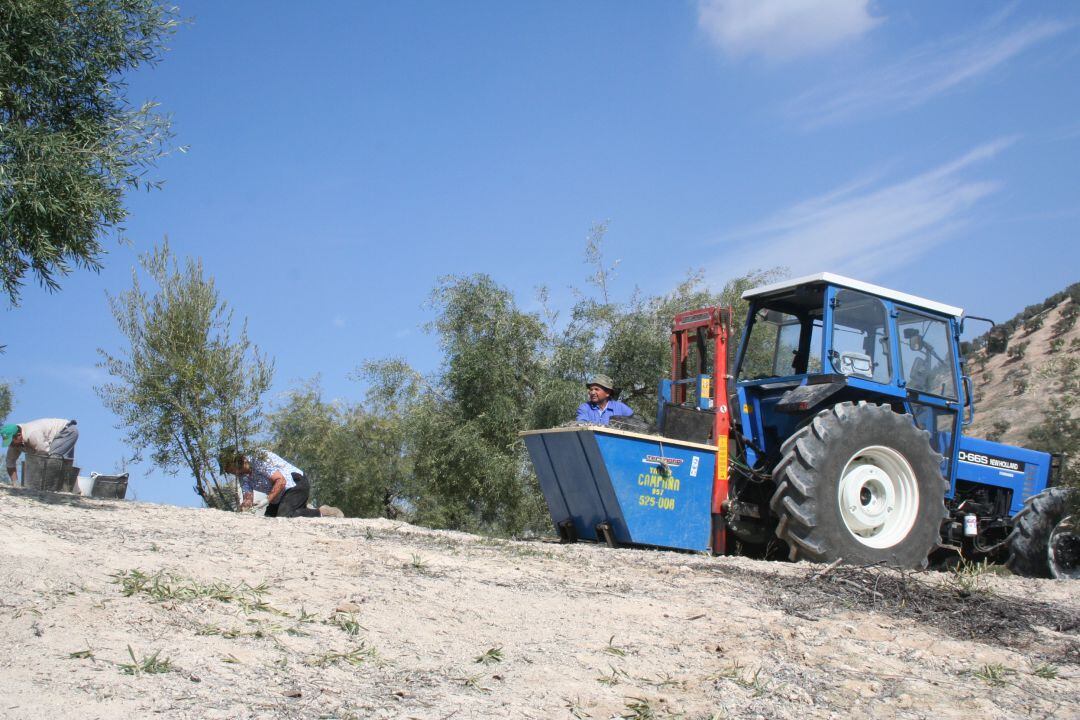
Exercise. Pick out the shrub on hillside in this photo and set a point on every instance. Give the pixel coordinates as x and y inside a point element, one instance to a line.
<point>998,430</point>
<point>1017,351</point>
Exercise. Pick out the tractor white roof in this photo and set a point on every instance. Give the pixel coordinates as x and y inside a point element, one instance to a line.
<point>842,281</point>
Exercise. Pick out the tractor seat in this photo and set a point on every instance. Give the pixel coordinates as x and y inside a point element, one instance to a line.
<point>919,377</point>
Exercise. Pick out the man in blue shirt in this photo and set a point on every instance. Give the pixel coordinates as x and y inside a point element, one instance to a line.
<point>601,406</point>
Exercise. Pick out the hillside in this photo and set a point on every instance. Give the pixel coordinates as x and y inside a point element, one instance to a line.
<point>1012,392</point>
<point>124,609</point>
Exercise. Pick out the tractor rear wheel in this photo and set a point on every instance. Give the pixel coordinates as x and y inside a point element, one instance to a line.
<point>1045,541</point>
<point>860,483</point>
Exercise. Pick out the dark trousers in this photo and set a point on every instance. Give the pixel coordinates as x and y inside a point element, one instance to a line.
<point>293,502</point>
<point>63,443</point>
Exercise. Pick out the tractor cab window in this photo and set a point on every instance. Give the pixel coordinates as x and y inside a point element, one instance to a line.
<point>926,354</point>
<point>860,339</point>
<point>781,344</point>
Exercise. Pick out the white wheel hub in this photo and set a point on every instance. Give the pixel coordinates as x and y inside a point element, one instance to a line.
<point>878,496</point>
<point>1063,549</point>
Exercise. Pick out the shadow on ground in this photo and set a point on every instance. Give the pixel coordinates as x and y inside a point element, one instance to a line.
<point>961,606</point>
<point>58,498</point>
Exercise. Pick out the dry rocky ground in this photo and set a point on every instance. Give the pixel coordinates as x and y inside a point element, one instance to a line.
<point>112,609</point>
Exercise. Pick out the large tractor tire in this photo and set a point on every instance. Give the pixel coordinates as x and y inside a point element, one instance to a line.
<point>860,483</point>
<point>1045,541</point>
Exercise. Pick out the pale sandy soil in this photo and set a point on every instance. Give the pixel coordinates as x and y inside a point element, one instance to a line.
<point>570,631</point>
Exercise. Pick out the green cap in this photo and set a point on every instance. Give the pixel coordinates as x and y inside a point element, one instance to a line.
<point>8,431</point>
<point>603,381</point>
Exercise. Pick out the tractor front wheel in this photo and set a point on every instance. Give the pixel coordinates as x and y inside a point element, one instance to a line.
<point>862,484</point>
<point>1045,541</point>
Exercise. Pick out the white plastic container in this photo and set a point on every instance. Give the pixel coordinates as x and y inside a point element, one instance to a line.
<point>84,485</point>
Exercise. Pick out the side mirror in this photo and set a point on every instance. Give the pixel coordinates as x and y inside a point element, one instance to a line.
<point>996,341</point>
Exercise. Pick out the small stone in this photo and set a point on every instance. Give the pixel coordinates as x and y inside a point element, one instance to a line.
<point>194,678</point>
<point>347,607</point>
<point>292,692</point>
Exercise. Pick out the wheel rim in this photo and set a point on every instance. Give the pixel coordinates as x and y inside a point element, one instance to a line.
<point>878,496</point>
<point>1064,549</point>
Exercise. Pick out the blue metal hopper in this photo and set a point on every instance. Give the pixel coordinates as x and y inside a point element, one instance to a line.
<point>625,488</point>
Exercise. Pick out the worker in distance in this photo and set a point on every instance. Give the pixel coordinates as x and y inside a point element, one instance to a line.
<point>602,404</point>
<point>285,486</point>
<point>51,437</point>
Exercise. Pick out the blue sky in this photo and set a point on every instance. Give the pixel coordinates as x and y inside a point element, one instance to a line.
<point>344,155</point>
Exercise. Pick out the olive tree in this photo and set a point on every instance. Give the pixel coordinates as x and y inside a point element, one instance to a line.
<point>458,459</point>
<point>187,384</point>
<point>71,143</point>
<point>352,456</point>
<point>465,463</point>
<point>6,400</point>
<point>636,344</point>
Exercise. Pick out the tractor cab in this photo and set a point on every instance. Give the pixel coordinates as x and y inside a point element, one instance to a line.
<point>816,341</point>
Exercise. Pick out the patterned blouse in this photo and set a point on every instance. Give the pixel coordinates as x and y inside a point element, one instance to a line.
<point>264,464</point>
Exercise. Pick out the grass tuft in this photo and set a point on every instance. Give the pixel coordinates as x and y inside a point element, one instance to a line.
<point>473,682</point>
<point>1046,671</point>
<point>613,678</point>
<point>149,665</point>
<point>163,586</point>
<point>638,709</point>
<point>968,577</point>
<point>994,674</point>
<point>573,706</point>
<point>356,657</point>
<point>613,649</point>
<point>490,656</point>
<point>347,622</point>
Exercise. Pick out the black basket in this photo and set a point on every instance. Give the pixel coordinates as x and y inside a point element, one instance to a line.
<point>113,487</point>
<point>53,474</point>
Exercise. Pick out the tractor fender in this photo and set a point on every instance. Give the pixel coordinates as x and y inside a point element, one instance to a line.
<point>808,397</point>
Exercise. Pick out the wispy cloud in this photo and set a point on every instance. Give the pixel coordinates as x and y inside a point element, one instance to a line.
<point>1070,132</point>
<point>924,73</point>
<point>867,228</point>
<point>783,29</point>
<point>338,321</point>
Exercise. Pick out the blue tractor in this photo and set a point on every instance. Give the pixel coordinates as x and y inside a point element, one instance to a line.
<point>852,402</point>
<point>839,436</point>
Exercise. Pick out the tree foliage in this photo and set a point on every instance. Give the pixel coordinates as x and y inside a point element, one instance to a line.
<point>70,142</point>
<point>351,456</point>
<point>461,429</point>
<point>7,399</point>
<point>185,386</point>
<point>458,458</point>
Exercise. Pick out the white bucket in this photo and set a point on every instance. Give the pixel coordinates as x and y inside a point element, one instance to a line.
<point>85,485</point>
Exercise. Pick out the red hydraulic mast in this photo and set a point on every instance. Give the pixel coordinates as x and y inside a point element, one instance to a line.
<point>710,325</point>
